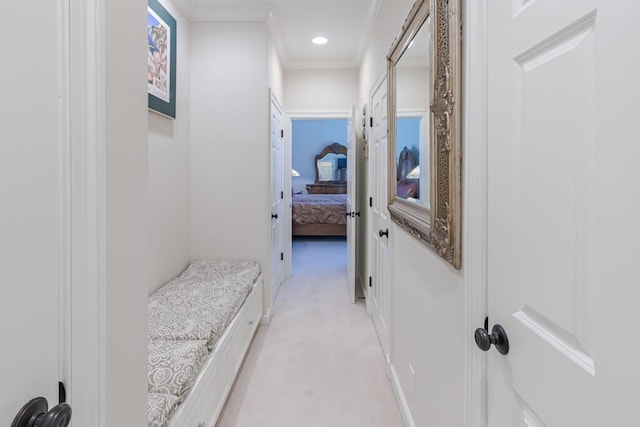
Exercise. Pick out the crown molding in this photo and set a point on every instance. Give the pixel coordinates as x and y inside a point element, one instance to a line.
<point>275,29</point>
<point>372,17</point>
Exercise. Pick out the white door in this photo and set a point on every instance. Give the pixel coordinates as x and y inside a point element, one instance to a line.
<point>379,252</point>
<point>564,147</point>
<point>30,191</point>
<point>352,207</point>
<point>277,195</point>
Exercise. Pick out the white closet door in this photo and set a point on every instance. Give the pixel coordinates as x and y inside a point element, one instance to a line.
<point>563,212</point>
<point>31,147</point>
<point>276,130</point>
<point>379,292</point>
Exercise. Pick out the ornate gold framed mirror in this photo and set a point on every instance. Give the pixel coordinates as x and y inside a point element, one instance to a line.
<point>424,127</point>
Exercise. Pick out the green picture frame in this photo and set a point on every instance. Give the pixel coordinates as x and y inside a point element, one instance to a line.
<point>161,60</point>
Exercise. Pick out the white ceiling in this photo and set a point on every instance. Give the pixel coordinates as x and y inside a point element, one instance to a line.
<point>293,23</point>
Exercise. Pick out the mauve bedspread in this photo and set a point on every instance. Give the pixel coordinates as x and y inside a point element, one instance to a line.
<point>319,208</point>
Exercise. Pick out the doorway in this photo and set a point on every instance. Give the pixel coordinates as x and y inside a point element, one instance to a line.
<point>323,213</point>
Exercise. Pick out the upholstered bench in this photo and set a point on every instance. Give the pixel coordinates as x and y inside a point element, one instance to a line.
<point>200,327</point>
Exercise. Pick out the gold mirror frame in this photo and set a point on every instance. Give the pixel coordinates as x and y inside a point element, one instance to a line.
<point>438,227</point>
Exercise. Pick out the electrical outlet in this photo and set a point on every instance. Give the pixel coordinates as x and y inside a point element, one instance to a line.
<point>412,381</point>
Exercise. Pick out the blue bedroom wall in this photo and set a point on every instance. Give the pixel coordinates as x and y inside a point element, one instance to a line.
<point>408,135</point>
<point>309,137</point>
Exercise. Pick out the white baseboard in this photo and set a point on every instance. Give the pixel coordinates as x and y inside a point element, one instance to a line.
<point>266,318</point>
<point>401,398</point>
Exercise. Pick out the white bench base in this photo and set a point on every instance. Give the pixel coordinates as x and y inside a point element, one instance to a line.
<point>205,401</point>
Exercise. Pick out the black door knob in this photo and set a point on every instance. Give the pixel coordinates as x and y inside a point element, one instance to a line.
<point>36,414</point>
<point>348,214</point>
<point>274,216</point>
<point>383,233</point>
<point>498,337</point>
<point>357,213</point>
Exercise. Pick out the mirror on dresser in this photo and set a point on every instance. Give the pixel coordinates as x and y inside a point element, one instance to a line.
<point>424,127</point>
<point>331,171</point>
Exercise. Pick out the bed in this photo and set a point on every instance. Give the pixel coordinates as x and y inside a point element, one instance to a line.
<point>319,214</point>
<point>200,327</point>
<point>323,211</point>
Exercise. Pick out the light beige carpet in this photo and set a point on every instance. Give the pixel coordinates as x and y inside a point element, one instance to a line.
<point>319,362</point>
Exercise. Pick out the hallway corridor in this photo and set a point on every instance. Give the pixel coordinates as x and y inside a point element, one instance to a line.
<point>319,362</point>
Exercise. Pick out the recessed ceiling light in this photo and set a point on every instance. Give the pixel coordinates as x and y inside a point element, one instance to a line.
<point>320,40</point>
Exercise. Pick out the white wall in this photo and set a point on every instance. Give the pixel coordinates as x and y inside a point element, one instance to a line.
<point>308,139</point>
<point>413,89</point>
<point>229,141</point>
<point>308,91</point>
<point>126,216</point>
<point>275,74</point>
<point>169,177</point>
<point>427,298</point>
<point>387,27</point>
<point>427,331</point>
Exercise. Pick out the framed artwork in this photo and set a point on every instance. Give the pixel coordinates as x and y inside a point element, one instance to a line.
<point>161,60</point>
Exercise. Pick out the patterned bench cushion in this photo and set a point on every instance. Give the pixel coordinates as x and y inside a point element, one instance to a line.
<point>160,407</point>
<point>241,271</point>
<point>186,318</point>
<point>194,310</point>
<point>174,365</point>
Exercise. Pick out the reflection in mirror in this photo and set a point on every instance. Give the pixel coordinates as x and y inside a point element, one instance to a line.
<point>332,167</point>
<point>331,164</point>
<point>413,77</point>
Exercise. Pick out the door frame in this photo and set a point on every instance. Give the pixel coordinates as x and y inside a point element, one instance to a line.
<point>289,117</point>
<point>475,202</point>
<point>83,224</point>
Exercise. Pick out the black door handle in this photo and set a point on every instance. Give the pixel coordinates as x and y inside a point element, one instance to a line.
<point>348,214</point>
<point>498,337</point>
<point>274,216</point>
<point>383,233</point>
<point>357,213</point>
<point>36,413</point>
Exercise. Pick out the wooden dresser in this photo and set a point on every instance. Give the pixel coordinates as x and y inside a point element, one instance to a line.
<point>331,187</point>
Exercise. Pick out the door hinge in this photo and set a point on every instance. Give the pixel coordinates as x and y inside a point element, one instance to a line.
<point>282,195</point>
<point>370,202</point>
<point>370,281</point>
<point>281,133</point>
<point>281,256</point>
<point>370,122</point>
<point>62,392</point>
